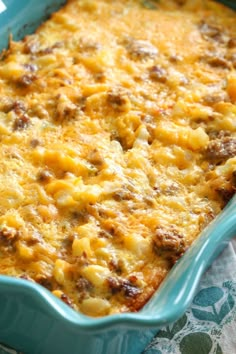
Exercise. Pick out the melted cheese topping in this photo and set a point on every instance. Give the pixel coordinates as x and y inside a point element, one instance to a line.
<point>118,145</point>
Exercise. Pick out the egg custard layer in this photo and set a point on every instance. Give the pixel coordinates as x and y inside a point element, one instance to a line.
<point>117,145</point>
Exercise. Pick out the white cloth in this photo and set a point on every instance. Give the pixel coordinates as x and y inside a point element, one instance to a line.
<point>209,325</point>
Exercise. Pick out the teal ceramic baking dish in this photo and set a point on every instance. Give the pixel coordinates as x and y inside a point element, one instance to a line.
<point>36,322</point>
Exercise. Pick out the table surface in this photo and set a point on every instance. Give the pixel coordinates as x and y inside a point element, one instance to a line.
<point>209,325</point>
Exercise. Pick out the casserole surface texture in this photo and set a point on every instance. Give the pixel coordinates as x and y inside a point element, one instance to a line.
<point>117,126</point>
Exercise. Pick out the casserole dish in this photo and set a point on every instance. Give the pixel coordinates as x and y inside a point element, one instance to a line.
<point>34,321</point>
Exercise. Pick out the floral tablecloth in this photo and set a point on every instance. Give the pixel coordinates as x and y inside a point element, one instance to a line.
<point>209,325</point>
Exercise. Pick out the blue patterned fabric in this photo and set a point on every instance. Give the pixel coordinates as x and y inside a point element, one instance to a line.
<point>209,326</point>
<point>6,350</point>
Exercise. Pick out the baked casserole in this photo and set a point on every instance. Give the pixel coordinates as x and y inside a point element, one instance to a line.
<point>118,145</point>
